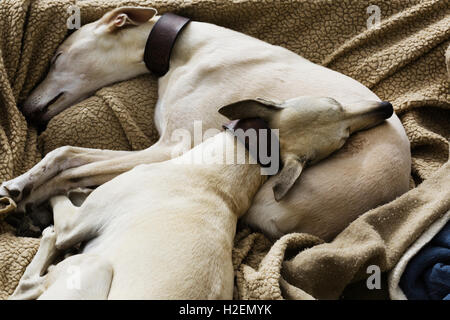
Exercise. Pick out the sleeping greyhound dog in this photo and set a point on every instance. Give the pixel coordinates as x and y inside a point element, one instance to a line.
<point>211,66</point>
<point>165,230</point>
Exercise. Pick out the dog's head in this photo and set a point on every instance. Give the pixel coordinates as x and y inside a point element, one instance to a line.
<point>310,128</point>
<point>96,55</point>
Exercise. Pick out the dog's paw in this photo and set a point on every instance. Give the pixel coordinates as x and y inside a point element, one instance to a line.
<point>16,188</point>
<point>4,193</point>
<point>49,232</point>
<point>47,244</point>
<point>49,236</point>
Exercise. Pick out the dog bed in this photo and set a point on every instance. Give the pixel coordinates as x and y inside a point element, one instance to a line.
<point>402,59</point>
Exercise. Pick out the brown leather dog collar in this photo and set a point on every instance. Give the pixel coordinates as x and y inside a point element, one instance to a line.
<point>256,124</point>
<point>161,41</point>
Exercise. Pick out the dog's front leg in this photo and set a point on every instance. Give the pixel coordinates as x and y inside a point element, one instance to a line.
<point>31,285</point>
<point>51,165</point>
<point>72,226</point>
<point>93,174</point>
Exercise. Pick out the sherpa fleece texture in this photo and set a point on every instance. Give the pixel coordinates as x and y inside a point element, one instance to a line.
<point>402,60</point>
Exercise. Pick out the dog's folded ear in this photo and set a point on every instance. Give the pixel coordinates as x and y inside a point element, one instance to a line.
<point>292,168</point>
<point>251,108</point>
<point>126,16</point>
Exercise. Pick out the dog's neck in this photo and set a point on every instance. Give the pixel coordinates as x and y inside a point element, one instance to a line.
<point>224,163</point>
<point>142,34</point>
<point>161,41</point>
<point>187,44</point>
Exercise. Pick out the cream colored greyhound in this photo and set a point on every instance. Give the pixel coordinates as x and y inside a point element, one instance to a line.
<point>210,67</point>
<point>165,230</point>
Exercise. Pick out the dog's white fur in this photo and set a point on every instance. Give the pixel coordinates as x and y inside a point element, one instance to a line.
<point>213,66</point>
<point>166,230</point>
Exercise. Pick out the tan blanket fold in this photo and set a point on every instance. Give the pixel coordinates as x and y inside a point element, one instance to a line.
<point>402,60</point>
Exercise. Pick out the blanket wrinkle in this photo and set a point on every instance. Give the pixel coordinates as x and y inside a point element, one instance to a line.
<point>405,60</point>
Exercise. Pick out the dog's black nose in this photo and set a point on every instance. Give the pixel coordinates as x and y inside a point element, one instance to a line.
<point>386,108</point>
<point>35,120</point>
<point>33,116</point>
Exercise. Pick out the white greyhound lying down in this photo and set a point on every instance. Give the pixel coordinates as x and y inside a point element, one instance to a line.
<point>211,66</point>
<point>165,230</point>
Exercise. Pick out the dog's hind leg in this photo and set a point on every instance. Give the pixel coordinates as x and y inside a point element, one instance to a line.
<point>81,276</point>
<point>31,285</point>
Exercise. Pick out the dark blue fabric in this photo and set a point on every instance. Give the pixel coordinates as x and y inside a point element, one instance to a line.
<point>427,275</point>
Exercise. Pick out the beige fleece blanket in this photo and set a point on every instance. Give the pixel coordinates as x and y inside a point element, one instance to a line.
<point>402,60</point>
